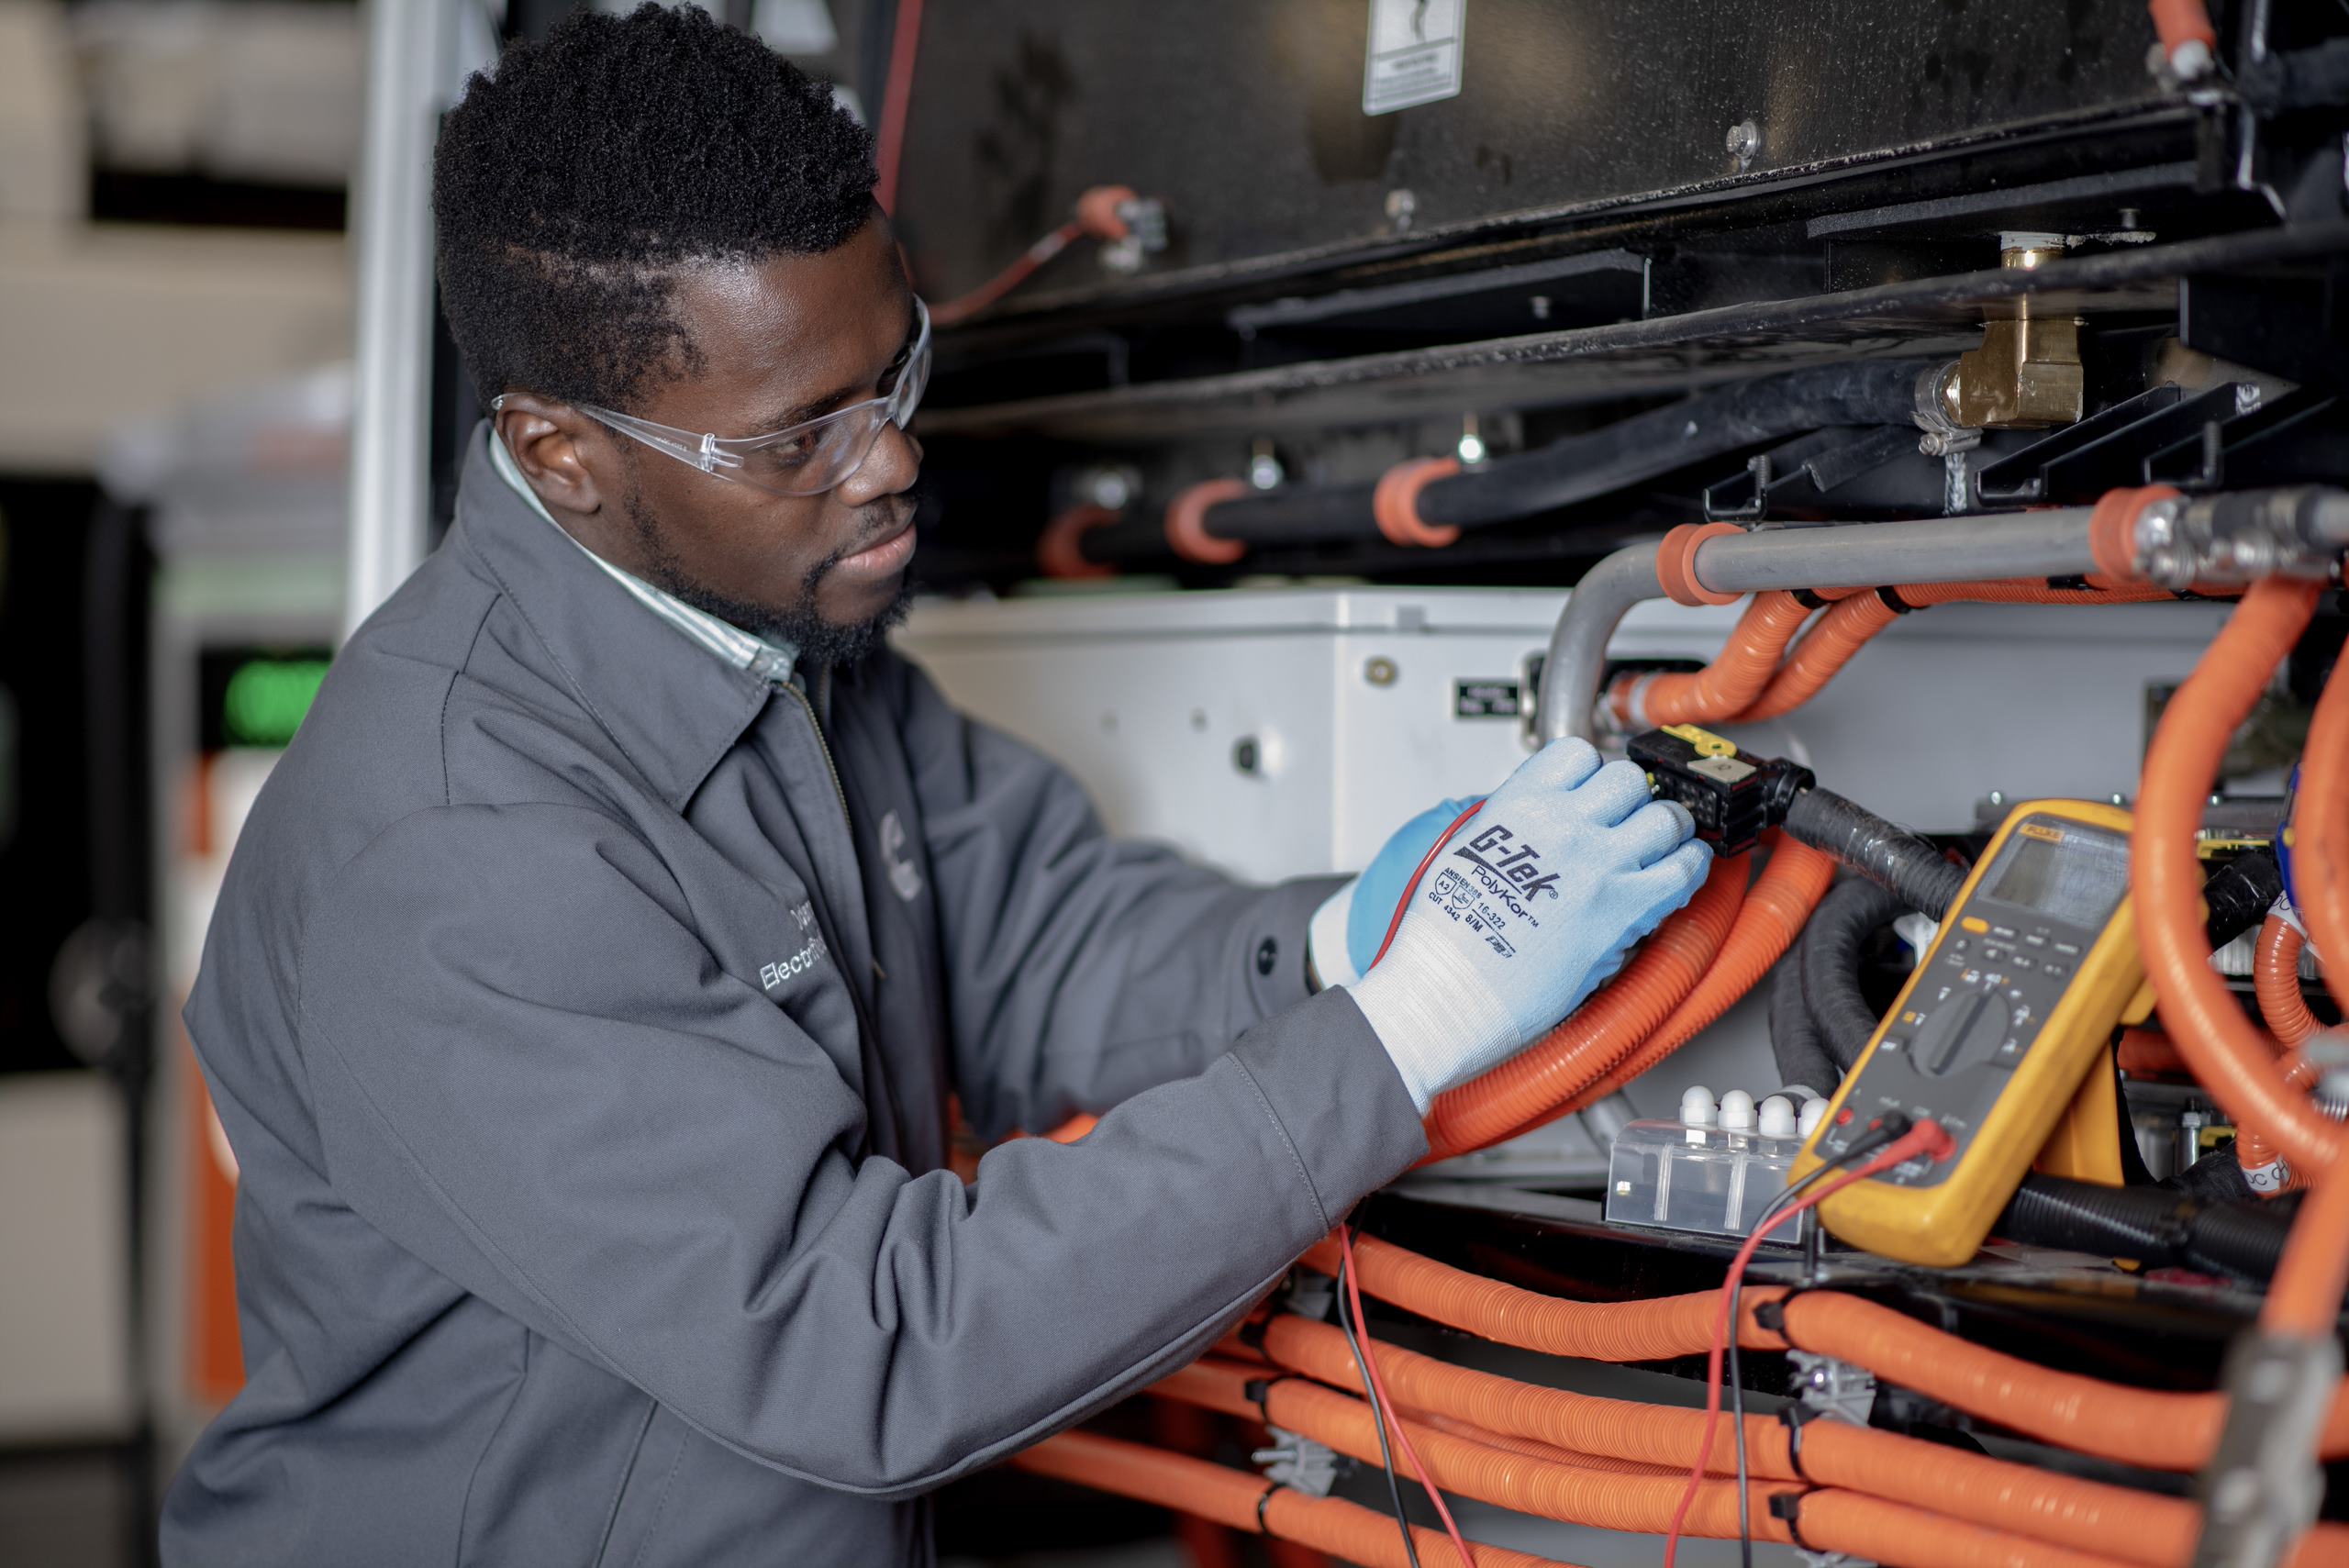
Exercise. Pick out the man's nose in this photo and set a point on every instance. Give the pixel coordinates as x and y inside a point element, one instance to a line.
<point>889,468</point>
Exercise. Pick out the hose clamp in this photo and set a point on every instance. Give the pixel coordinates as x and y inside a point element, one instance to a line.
<point>1187,522</point>
<point>1059,550</point>
<point>1395,503</point>
<point>1675,563</point>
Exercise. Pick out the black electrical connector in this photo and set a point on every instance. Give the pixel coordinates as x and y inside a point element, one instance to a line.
<point>1735,796</point>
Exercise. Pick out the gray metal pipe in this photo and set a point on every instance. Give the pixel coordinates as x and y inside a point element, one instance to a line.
<point>1578,656</point>
<point>2052,543</point>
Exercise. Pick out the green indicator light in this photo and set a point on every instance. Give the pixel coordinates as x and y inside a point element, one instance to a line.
<point>267,699</point>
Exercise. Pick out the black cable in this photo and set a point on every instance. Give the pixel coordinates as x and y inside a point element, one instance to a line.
<point>1378,1420</point>
<point>1794,1040</point>
<point>1895,1125</point>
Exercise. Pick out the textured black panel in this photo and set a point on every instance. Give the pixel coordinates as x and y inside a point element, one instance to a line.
<point>1246,116</point>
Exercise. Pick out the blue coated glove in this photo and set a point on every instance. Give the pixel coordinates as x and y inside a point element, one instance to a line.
<point>1533,904</point>
<point>1346,931</point>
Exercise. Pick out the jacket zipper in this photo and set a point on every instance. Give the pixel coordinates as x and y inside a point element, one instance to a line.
<point>840,790</point>
<point>824,747</point>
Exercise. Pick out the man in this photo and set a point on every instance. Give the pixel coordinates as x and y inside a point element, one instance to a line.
<point>586,992</point>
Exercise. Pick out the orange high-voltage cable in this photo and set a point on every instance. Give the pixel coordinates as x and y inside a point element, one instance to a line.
<point>2155,1428</point>
<point>2276,979</point>
<point>1849,624</point>
<point>1773,914</point>
<point>2233,1058</point>
<point>1830,1521</point>
<point>1597,1034</point>
<point>2304,1298</point>
<point>1724,687</point>
<point>2143,1528</point>
<point>1243,1501</point>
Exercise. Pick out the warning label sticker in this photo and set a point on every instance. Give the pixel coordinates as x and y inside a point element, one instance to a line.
<point>1414,56</point>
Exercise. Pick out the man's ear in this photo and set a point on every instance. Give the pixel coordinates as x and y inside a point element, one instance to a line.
<point>549,442</point>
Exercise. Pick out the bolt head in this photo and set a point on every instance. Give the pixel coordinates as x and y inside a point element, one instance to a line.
<point>1379,671</point>
<point>1743,141</point>
<point>1401,206</point>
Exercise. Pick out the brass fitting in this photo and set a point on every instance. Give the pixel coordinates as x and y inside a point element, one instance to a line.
<point>2027,373</point>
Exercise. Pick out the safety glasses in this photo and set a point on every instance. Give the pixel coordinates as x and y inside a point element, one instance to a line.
<point>806,459</point>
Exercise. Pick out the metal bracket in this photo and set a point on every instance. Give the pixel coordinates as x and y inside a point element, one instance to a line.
<point>1310,1296</point>
<point>2264,1484</point>
<point>1298,1461</point>
<point>1832,1387</point>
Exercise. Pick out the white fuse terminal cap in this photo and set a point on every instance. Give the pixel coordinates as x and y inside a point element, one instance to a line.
<point>1813,1113</point>
<point>1737,1111</point>
<point>1777,1117</point>
<point>1696,1107</point>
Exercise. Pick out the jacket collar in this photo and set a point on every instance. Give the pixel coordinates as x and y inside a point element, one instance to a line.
<point>668,702</point>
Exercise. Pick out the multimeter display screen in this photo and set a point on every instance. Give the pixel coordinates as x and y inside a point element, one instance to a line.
<point>2070,874</point>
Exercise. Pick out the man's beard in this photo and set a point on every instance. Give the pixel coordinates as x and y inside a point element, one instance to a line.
<point>800,625</point>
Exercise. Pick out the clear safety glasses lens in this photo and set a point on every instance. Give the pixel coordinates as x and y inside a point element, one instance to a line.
<point>805,459</point>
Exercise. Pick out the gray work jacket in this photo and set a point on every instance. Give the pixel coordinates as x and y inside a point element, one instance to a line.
<point>582,1012</point>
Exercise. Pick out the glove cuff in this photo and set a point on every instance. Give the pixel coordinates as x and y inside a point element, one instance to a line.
<point>1439,1025</point>
<point>1325,938</point>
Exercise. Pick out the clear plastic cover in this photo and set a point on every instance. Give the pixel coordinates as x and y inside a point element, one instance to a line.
<point>1678,1177</point>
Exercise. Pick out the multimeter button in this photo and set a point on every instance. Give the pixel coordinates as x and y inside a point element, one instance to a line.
<point>2006,931</point>
<point>1959,944</point>
<point>2023,961</point>
<point>1992,953</point>
<point>1974,923</point>
<point>2069,949</point>
<point>2057,969</point>
<point>2034,939</point>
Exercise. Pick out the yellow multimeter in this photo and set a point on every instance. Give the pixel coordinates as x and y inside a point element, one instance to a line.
<point>2006,1013</point>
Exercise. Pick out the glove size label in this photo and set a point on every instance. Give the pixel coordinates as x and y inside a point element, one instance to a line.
<point>1490,895</point>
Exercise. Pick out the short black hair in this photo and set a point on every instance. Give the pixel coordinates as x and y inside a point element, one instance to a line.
<point>573,181</point>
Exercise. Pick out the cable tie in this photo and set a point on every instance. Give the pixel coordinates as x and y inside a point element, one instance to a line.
<point>1251,1332</point>
<point>1787,1507</point>
<point>1795,1417</point>
<point>1894,602</point>
<point>1811,599</point>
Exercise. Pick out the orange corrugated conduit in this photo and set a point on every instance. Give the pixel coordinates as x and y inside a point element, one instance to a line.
<point>2304,1298</point>
<point>2156,1430</point>
<point>2256,1153</point>
<point>2321,835</point>
<point>1598,1034</point>
<point>1243,1501</point>
<point>1849,623</point>
<point>2277,978</point>
<point>1830,1519</point>
<point>1533,1448</point>
<point>1604,1498</point>
<point>1773,915</point>
<point>1724,687</point>
<point>2145,1528</point>
<point>2233,1059</point>
<point>1656,1329</point>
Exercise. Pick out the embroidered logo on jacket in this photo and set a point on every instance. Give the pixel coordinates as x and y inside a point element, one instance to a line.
<point>811,948</point>
<point>904,876</point>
